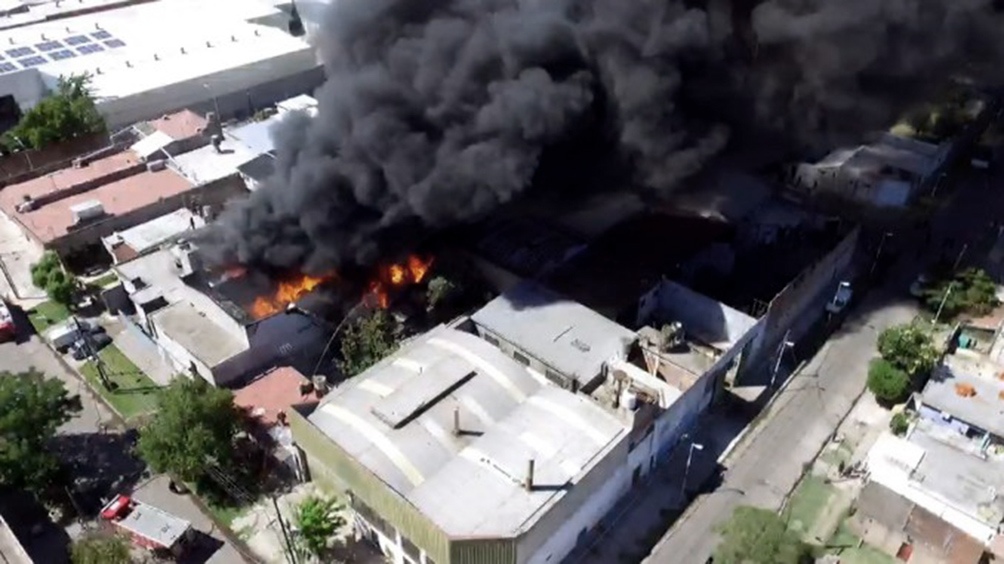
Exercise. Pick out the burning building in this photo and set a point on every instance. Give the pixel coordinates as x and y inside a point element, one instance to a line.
<point>213,325</point>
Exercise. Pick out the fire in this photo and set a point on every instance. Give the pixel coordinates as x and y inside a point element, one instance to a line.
<point>289,291</point>
<point>397,275</point>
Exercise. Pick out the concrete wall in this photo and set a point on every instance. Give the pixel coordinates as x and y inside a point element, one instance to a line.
<point>792,303</point>
<point>582,508</point>
<point>175,354</point>
<point>710,320</point>
<point>26,86</point>
<point>259,79</point>
<point>934,416</point>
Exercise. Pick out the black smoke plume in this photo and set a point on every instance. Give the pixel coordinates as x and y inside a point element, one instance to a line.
<point>438,112</point>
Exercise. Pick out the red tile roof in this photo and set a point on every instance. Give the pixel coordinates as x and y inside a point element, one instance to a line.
<point>180,125</point>
<point>273,392</point>
<point>52,220</point>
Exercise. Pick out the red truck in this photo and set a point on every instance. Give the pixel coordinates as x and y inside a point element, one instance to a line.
<point>147,526</point>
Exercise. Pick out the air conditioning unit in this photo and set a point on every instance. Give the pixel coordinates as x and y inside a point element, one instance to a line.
<point>155,166</point>
<point>84,211</point>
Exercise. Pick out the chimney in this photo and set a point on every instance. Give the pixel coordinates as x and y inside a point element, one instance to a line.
<point>456,421</point>
<point>528,483</point>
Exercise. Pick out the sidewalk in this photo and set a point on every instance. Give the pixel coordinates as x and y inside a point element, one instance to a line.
<point>17,254</point>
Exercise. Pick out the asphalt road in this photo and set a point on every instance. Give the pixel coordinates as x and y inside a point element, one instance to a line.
<point>767,465</point>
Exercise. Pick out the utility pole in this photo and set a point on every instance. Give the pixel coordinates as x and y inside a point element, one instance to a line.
<point>99,363</point>
<point>285,531</point>
<point>686,471</point>
<point>943,300</point>
<point>958,259</point>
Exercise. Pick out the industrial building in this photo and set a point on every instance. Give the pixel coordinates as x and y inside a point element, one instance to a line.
<point>117,187</point>
<point>192,319</point>
<point>147,59</point>
<point>544,423</point>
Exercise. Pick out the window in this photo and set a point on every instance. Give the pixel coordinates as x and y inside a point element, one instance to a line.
<point>491,339</point>
<point>372,518</point>
<point>410,549</point>
<point>521,359</point>
<point>555,378</point>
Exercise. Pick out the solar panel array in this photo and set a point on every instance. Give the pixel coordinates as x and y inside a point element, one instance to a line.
<point>50,50</point>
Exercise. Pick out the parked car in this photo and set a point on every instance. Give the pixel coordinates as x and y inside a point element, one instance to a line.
<point>7,328</point>
<point>841,298</point>
<point>65,334</point>
<point>95,342</point>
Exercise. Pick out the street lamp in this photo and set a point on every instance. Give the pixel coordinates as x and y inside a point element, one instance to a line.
<point>943,300</point>
<point>785,345</point>
<point>686,471</point>
<point>216,101</point>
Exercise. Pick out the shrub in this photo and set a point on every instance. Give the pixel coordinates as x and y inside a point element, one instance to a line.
<point>887,382</point>
<point>899,424</point>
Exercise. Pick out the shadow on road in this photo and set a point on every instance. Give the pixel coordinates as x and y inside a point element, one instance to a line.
<point>43,540</point>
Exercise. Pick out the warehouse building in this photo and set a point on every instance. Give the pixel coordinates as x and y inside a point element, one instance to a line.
<point>150,58</point>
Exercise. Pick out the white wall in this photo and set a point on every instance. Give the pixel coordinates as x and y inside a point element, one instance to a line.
<point>25,85</point>
<point>120,112</point>
<point>271,339</point>
<point>179,357</point>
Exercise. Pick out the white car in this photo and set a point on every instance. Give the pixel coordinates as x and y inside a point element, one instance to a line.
<point>841,298</point>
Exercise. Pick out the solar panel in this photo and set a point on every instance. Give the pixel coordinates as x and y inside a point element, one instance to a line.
<point>101,35</point>
<point>64,54</point>
<point>77,40</point>
<point>20,51</point>
<point>48,45</point>
<point>32,61</point>
<point>88,49</point>
<point>7,67</point>
<point>114,43</point>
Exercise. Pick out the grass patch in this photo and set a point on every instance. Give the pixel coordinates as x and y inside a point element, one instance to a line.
<point>106,280</point>
<point>852,551</point>
<point>807,502</point>
<point>835,455</point>
<point>47,314</point>
<point>225,513</point>
<point>134,393</point>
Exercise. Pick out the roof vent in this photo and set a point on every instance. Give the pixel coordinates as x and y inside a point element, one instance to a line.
<point>44,38</point>
<point>209,44</point>
<point>97,70</point>
<point>156,57</point>
<point>129,64</point>
<point>183,51</point>
<point>27,205</point>
<point>156,166</point>
<point>87,210</point>
<point>233,38</point>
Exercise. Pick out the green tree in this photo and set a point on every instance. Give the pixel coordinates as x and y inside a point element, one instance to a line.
<point>100,549</point>
<point>195,425</point>
<point>440,289</point>
<point>49,275</point>
<point>899,424</point>
<point>32,407</point>
<point>366,341</point>
<point>66,113</point>
<point>318,519</point>
<point>908,348</point>
<point>888,382</point>
<point>758,536</point>
<point>969,291</point>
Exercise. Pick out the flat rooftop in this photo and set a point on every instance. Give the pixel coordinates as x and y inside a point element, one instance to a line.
<point>139,48</point>
<point>50,221</point>
<point>273,392</point>
<point>570,338</point>
<point>198,334</point>
<point>206,164</point>
<point>984,410</point>
<point>146,236</point>
<point>396,419</point>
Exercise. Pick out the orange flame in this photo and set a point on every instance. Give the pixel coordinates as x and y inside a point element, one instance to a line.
<point>395,275</point>
<point>289,291</point>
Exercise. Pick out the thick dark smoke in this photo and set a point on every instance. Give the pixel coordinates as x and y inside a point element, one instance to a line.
<point>438,112</point>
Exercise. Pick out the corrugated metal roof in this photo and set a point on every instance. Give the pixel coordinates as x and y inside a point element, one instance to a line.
<point>565,335</point>
<point>506,417</point>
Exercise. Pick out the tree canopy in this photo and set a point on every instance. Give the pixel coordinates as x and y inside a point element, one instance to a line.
<point>969,291</point>
<point>758,536</point>
<point>49,275</point>
<point>366,341</point>
<point>100,549</point>
<point>195,424</point>
<point>909,348</point>
<point>32,407</point>
<point>887,382</point>
<point>318,519</point>
<point>66,113</point>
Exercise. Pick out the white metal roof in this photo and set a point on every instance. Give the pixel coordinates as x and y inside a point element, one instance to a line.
<point>134,49</point>
<point>561,333</point>
<point>397,420</point>
<point>206,164</point>
<point>147,235</point>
